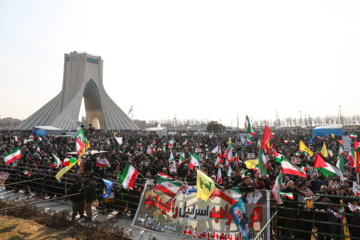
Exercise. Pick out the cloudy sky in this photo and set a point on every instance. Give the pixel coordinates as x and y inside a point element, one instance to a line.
<point>193,59</point>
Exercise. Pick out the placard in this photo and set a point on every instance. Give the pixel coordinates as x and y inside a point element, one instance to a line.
<point>295,160</point>
<point>251,155</point>
<point>346,142</point>
<point>4,175</point>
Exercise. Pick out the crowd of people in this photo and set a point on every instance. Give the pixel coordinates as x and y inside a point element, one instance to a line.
<point>150,154</point>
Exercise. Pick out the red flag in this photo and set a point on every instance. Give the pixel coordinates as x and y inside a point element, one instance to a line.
<point>357,162</point>
<point>266,138</point>
<point>356,145</point>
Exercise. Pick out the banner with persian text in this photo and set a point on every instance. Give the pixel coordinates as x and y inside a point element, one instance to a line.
<point>183,215</point>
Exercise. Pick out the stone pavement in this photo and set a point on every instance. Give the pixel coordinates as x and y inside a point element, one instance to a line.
<point>60,205</point>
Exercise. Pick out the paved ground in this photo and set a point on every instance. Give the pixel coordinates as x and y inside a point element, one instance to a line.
<point>59,205</point>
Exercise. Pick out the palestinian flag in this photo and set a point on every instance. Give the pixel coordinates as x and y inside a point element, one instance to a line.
<point>278,157</point>
<point>262,163</point>
<point>128,177</point>
<point>195,161</point>
<point>182,158</point>
<point>290,168</point>
<point>288,195</point>
<point>218,177</point>
<point>248,139</point>
<point>297,154</point>
<point>248,126</point>
<point>39,138</point>
<point>102,162</point>
<point>56,163</point>
<point>30,140</point>
<point>185,142</point>
<point>80,141</point>
<point>12,156</point>
<point>326,169</point>
<point>167,185</point>
<point>277,189</point>
<point>26,172</point>
<point>352,135</point>
<point>356,145</point>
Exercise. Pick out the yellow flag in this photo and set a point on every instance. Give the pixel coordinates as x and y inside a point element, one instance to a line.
<point>250,164</point>
<point>87,145</point>
<point>332,135</point>
<point>64,170</point>
<point>229,140</point>
<point>324,151</point>
<point>303,147</point>
<point>345,230</point>
<point>205,186</point>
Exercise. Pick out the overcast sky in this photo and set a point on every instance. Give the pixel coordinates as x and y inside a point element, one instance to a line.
<point>196,59</point>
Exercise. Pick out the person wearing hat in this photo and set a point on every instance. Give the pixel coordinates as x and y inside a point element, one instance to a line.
<point>90,196</point>
<point>78,200</point>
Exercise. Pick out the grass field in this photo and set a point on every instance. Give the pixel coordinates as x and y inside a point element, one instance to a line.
<point>13,228</point>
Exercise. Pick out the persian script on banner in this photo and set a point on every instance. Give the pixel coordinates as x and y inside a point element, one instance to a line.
<point>184,215</point>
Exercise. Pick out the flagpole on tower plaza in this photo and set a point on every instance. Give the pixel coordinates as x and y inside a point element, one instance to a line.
<point>132,113</point>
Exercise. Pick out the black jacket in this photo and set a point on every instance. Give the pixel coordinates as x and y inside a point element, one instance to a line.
<point>77,189</point>
<point>90,191</point>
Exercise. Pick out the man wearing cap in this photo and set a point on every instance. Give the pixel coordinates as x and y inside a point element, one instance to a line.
<point>90,196</point>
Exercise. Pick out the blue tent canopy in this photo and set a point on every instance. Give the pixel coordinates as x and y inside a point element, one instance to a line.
<point>327,130</point>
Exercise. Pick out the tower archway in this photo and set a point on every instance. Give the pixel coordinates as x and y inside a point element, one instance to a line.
<point>93,108</point>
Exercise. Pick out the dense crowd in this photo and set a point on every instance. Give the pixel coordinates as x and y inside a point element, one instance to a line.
<point>150,154</point>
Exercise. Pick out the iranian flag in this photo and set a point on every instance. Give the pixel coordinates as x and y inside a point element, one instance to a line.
<point>195,161</point>
<point>219,159</point>
<point>172,142</point>
<point>286,141</point>
<point>171,157</point>
<point>167,185</point>
<point>292,141</point>
<point>262,163</point>
<point>12,156</point>
<point>288,195</point>
<point>356,189</point>
<point>102,162</point>
<point>128,177</point>
<point>230,171</point>
<point>185,142</point>
<point>16,139</point>
<point>249,139</point>
<point>229,153</point>
<point>56,163</point>
<point>352,135</point>
<point>340,166</point>
<point>80,141</point>
<point>330,153</point>
<point>297,154</point>
<point>39,138</point>
<point>182,158</point>
<point>243,173</point>
<point>248,126</point>
<point>327,169</point>
<point>351,158</point>
<point>218,177</point>
<point>26,172</point>
<point>38,149</point>
<point>289,168</point>
<point>277,189</point>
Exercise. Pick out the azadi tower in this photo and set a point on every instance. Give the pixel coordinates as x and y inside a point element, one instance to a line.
<point>83,77</point>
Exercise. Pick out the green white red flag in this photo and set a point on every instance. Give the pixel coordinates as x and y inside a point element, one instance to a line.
<point>12,156</point>
<point>353,135</point>
<point>167,185</point>
<point>195,161</point>
<point>182,158</point>
<point>39,138</point>
<point>185,142</point>
<point>262,163</point>
<point>351,158</point>
<point>128,177</point>
<point>248,126</point>
<point>80,141</point>
<point>229,153</point>
<point>340,166</point>
<point>26,172</point>
<point>288,195</point>
<point>249,139</point>
<point>218,177</point>
<point>277,189</point>
<point>172,142</point>
<point>289,168</point>
<point>56,163</point>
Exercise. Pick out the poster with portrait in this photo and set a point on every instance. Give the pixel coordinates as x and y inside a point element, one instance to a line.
<point>172,166</point>
<point>173,210</point>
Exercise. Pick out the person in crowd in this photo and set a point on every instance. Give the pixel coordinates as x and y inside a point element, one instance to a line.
<point>77,201</point>
<point>90,196</point>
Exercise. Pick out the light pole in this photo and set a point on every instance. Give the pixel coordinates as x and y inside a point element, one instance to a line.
<point>340,114</point>
<point>300,119</point>
<point>276,119</point>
